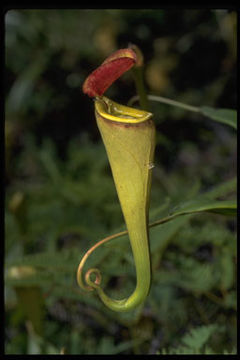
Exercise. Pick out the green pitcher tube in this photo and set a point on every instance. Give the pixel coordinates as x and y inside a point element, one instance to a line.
<point>129,138</point>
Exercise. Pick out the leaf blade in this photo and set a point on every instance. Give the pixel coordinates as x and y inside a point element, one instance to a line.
<point>225,207</point>
<point>224,116</point>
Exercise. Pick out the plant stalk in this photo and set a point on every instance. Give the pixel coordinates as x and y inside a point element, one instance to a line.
<point>165,101</point>
<point>139,82</point>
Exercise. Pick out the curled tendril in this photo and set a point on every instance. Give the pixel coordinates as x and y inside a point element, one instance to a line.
<point>91,285</point>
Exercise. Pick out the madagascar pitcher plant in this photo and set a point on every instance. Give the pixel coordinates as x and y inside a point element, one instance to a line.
<point>129,138</point>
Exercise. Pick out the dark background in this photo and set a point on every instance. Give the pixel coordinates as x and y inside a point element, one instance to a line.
<point>59,191</point>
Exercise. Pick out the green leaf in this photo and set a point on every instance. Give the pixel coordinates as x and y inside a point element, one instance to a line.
<point>225,207</point>
<point>199,336</point>
<point>227,270</point>
<point>23,86</point>
<point>225,116</point>
<point>205,202</point>
<point>194,342</point>
<point>223,189</point>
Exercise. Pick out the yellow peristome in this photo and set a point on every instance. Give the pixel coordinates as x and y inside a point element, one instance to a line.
<point>110,110</point>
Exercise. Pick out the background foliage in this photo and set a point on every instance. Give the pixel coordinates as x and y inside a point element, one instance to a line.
<point>60,196</point>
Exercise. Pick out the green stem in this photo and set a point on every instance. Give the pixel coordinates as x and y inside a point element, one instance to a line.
<point>165,101</point>
<point>139,82</point>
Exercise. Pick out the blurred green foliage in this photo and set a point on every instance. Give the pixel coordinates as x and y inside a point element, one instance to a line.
<point>60,197</point>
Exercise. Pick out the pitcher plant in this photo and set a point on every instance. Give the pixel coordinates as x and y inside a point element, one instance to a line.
<point>129,138</point>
